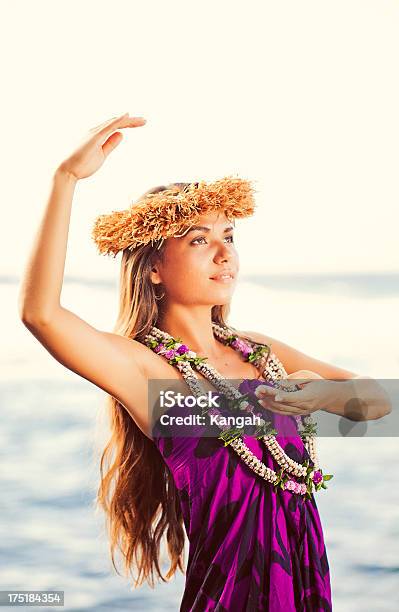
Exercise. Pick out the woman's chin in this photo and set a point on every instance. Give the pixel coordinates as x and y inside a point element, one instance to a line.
<point>222,300</point>
<point>224,294</point>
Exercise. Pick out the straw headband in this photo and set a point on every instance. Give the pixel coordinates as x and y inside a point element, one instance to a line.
<point>165,214</point>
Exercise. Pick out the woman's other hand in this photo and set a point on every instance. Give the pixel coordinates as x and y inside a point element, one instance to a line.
<point>99,143</point>
<point>272,398</point>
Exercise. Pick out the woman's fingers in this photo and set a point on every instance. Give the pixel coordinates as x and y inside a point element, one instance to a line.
<point>100,125</point>
<point>284,409</point>
<point>121,122</point>
<point>112,136</point>
<point>265,391</point>
<point>116,122</point>
<point>281,408</point>
<point>112,142</point>
<point>266,395</point>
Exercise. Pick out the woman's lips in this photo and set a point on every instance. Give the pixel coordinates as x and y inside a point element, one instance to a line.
<point>223,278</point>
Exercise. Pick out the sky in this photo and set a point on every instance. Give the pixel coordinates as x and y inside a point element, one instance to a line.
<point>299,97</point>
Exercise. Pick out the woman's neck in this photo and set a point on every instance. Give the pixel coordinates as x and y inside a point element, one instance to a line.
<point>194,327</point>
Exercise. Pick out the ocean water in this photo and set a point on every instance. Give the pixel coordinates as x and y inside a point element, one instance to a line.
<point>54,426</point>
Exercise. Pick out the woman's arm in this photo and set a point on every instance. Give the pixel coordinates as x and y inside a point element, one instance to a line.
<point>41,285</point>
<point>294,360</point>
<point>364,399</point>
<point>111,362</point>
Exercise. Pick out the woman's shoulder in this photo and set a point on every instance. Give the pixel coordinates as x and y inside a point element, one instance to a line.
<point>275,345</point>
<point>257,336</point>
<point>283,351</point>
<point>277,348</point>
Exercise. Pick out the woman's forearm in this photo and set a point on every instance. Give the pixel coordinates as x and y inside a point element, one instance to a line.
<point>359,399</point>
<point>41,284</point>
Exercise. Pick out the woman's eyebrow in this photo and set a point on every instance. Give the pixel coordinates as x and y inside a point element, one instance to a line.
<point>203,228</point>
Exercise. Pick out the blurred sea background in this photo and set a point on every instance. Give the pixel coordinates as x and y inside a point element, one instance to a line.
<point>54,424</point>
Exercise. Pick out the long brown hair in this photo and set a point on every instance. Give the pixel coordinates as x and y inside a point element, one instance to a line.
<point>137,491</point>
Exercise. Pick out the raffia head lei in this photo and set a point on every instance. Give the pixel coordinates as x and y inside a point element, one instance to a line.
<point>165,214</point>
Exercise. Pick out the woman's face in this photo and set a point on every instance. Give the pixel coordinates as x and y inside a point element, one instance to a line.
<point>191,263</point>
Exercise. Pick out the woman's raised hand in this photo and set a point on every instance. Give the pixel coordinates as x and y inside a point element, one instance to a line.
<point>102,139</point>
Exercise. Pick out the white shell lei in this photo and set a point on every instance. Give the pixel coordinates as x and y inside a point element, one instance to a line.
<point>272,369</point>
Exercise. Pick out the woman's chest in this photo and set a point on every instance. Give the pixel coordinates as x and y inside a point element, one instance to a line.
<point>231,367</point>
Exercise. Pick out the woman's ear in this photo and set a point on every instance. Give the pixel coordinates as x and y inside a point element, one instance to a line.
<point>155,272</point>
<point>155,278</point>
<point>156,266</point>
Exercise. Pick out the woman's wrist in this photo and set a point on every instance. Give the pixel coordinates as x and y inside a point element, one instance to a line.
<point>64,174</point>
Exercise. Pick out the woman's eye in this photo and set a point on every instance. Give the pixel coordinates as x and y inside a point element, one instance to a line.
<point>231,237</point>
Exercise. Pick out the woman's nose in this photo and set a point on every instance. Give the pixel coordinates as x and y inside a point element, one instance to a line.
<point>223,253</point>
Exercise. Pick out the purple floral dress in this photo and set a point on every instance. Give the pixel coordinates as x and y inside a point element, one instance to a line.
<point>251,548</point>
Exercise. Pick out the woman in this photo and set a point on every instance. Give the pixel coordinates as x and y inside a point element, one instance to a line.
<point>252,546</point>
